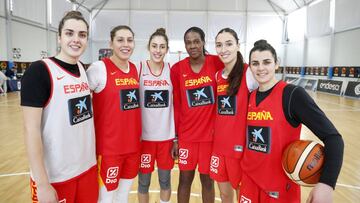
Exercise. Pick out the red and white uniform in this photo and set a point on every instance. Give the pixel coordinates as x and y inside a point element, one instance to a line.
<point>117,113</point>
<point>268,133</point>
<point>157,110</point>
<point>194,105</point>
<point>69,149</point>
<point>157,113</point>
<point>117,119</point>
<point>230,128</point>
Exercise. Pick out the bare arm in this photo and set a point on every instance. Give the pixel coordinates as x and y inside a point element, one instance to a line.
<point>175,149</point>
<point>321,193</point>
<point>32,121</point>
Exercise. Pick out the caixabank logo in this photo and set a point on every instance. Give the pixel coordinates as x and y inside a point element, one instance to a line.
<point>156,98</point>
<point>259,139</point>
<point>200,96</point>
<point>226,105</point>
<point>80,109</point>
<point>129,99</point>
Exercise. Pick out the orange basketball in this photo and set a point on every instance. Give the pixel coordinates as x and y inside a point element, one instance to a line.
<point>303,161</point>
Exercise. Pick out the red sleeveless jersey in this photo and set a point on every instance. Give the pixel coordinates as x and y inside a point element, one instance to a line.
<point>268,134</point>
<point>230,122</point>
<point>117,113</point>
<point>194,99</point>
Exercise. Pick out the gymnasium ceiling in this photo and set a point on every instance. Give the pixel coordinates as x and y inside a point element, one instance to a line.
<point>279,6</point>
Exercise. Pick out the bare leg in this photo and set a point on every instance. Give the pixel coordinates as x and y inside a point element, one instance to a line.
<point>226,192</point>
<point>185,180</point>
<point>207,188</point>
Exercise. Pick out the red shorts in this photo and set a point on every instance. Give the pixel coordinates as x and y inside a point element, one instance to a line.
<point>225,169</point>
<point>112,168</point>
<point>192,154</point>
<point>81,189</point>
<point>159,151</point>
<point>250,192</point>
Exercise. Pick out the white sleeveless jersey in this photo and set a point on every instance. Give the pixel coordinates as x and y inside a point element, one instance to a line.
<point>67,125</point>
<point>157,110</point>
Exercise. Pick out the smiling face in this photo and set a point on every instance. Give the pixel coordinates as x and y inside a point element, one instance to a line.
<point>263,66</point>
<point>73,40</point>
<point>194,45</point>
<point>226,47</point>
<point>158,49</point>
<point>123,44</point>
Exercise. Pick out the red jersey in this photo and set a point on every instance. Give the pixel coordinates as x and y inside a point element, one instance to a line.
<point>230,122</point>
<point>117,113</point>
<point>194,99</point>
<point>268,134</point>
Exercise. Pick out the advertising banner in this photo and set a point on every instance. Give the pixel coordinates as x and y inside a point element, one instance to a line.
<point>329,86</point>
<point>353,89</point>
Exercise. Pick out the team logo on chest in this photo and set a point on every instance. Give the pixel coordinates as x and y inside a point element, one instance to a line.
<point>259,138</point>
<point>156,98</point>
<point>129,99</point>
<point>200,96</point>
<point>226,105</point>
<point>79,109</point>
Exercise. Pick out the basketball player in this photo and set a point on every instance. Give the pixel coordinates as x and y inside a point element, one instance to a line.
<point>194,85</point>
<point>58,118</point>
<point>234,82</point>
<point>117,118</point>
<point>276,111</point>
<point>157,113</point>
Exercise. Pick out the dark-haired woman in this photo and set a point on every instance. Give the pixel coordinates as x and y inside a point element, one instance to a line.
<point>157,114</point>
<point>234,83</point>
<point>193,80</point>
<point>58,118</point>
<point>117,116</point>
<point>287,107</point>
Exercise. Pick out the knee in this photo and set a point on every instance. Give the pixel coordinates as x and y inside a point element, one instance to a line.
<point>225,196</point>
<point>144,182</point>
<point>206,181</point>
<point>186,179</point>
<point>164,179</point>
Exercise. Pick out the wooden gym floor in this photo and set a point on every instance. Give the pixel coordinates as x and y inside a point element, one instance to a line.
<point>14,171</point>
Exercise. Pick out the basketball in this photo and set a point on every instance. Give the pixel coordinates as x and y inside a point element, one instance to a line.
<point>302,161</point>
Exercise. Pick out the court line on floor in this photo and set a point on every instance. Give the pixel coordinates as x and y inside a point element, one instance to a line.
<point>173,193</point>
<point>329,102</point>
<point>14,174</point>
<point>9,100</point>
<point>7,105</point>
<point>348,186</point>
<point>347,110</point>
<point>175,169</point>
